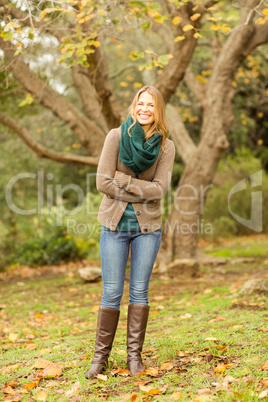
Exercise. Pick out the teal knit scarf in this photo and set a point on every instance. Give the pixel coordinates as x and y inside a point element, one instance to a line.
<point>133,152</point>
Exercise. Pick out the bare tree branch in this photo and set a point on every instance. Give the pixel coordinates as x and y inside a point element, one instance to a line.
<point>122,70</point>
<point>260,37</point>
<point>43,152</point>
<point>174,72</point>
<point>89,96</point>
<point>185,146</point>
<point>196,87</point>
<point>91,136</point>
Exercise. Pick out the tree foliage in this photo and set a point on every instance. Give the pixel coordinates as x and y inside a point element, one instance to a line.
<point>83,60</point>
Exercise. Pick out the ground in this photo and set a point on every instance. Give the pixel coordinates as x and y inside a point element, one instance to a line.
<point>202,343</point>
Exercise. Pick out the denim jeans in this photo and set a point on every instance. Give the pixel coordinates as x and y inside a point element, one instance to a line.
<point>114,250</point>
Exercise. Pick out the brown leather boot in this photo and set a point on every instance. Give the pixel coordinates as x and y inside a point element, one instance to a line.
<point>106,328</point>
<point>136,326</point>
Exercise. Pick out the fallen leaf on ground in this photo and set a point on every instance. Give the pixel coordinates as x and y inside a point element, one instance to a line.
<point>149,390</point>
<point>219,318</point>
<point>32,385</point>
<point>12,337</point>
<point>211,338</point>
<point>153,372</point>
<point>45,351</point>
<point>121,352</point>
<point>124,372</point>
<point>8,369</point>
<point>31,346</point>
<point>102,377</point>
<point>264,382</point>
<point>229,378</point>
<point>263,394</point>
<point>176,395</point>
<point>41,396</point>
<point>219,369</point>
<point>134,398</point>
<point>185,316</point>
<point>9,390</point>
<point>204,391</point>
<point>181,353</point>
<point>74,390</point>
<point>41,364</point>
<point>265,366</point>
<point>263,329</point>
<point>52,371</point>
<point>14,399</point>
<point>167,366</point>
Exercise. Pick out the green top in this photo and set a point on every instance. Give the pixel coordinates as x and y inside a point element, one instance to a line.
<point>128,222</point>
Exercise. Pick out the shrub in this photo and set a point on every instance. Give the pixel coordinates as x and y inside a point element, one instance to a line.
<point>54,247</point>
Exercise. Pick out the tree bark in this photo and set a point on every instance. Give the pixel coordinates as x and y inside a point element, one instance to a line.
<point>91,136</point>
<point>183,225</point>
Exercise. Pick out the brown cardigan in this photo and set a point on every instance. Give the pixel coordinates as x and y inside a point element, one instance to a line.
<point>144,192</point>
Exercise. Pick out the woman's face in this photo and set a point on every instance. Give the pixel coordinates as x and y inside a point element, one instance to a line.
<point>144,110</point>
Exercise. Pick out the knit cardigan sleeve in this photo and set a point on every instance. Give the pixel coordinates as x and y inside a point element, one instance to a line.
<point>105,180</point>
<point>155,189</point>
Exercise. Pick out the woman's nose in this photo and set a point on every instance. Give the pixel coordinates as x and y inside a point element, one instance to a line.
<point>144,108</point>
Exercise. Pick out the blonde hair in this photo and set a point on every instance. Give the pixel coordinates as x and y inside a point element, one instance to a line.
<point>160,124</point>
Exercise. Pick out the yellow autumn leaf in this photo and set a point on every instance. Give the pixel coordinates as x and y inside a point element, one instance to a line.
<point>219,369</point>
<point>12,337</point>
<point>265,11</point>
<point>179,38</point>
<point>32,385</point>
<point>134,398</point>
<point>167,366</point>
<point>197,35</point>
<point>8,369</point>
<point>123,84</point>
<point>149,390</point>
<point>195,16</point>
<point>52,371</point>
<point>176,395</point>
<point>176,20</point>
<point>102,377</point>
<point>187,27</point>
<point>31,346</point>
<point>153,372</point>
<point>41,396</point>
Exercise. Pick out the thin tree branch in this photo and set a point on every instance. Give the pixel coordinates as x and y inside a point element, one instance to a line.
<point>29,21</point>
<point>43,152</point>
<point>91,136</point>
<point>121,71</point>
<point>198,89</point>
<point>185,146</point>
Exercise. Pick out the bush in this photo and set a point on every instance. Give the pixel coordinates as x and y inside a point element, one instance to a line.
<point>53,248</point>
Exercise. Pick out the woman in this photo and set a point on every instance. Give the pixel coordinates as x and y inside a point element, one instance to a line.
<point>134,173</point>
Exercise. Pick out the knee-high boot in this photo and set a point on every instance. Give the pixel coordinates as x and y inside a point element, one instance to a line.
<point>136,327</point>
<point>106,328</point>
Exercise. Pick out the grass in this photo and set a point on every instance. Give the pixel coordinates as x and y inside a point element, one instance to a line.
<point>195,326</point>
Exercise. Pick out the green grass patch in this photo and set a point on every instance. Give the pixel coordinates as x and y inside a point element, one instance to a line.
<point>209,339</point>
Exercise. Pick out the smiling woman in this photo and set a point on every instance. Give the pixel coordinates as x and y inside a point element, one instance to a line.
<point>144,111</point>
<point>134,173</point>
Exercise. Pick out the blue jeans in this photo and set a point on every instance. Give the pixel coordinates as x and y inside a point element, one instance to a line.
<point>114,250</point>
